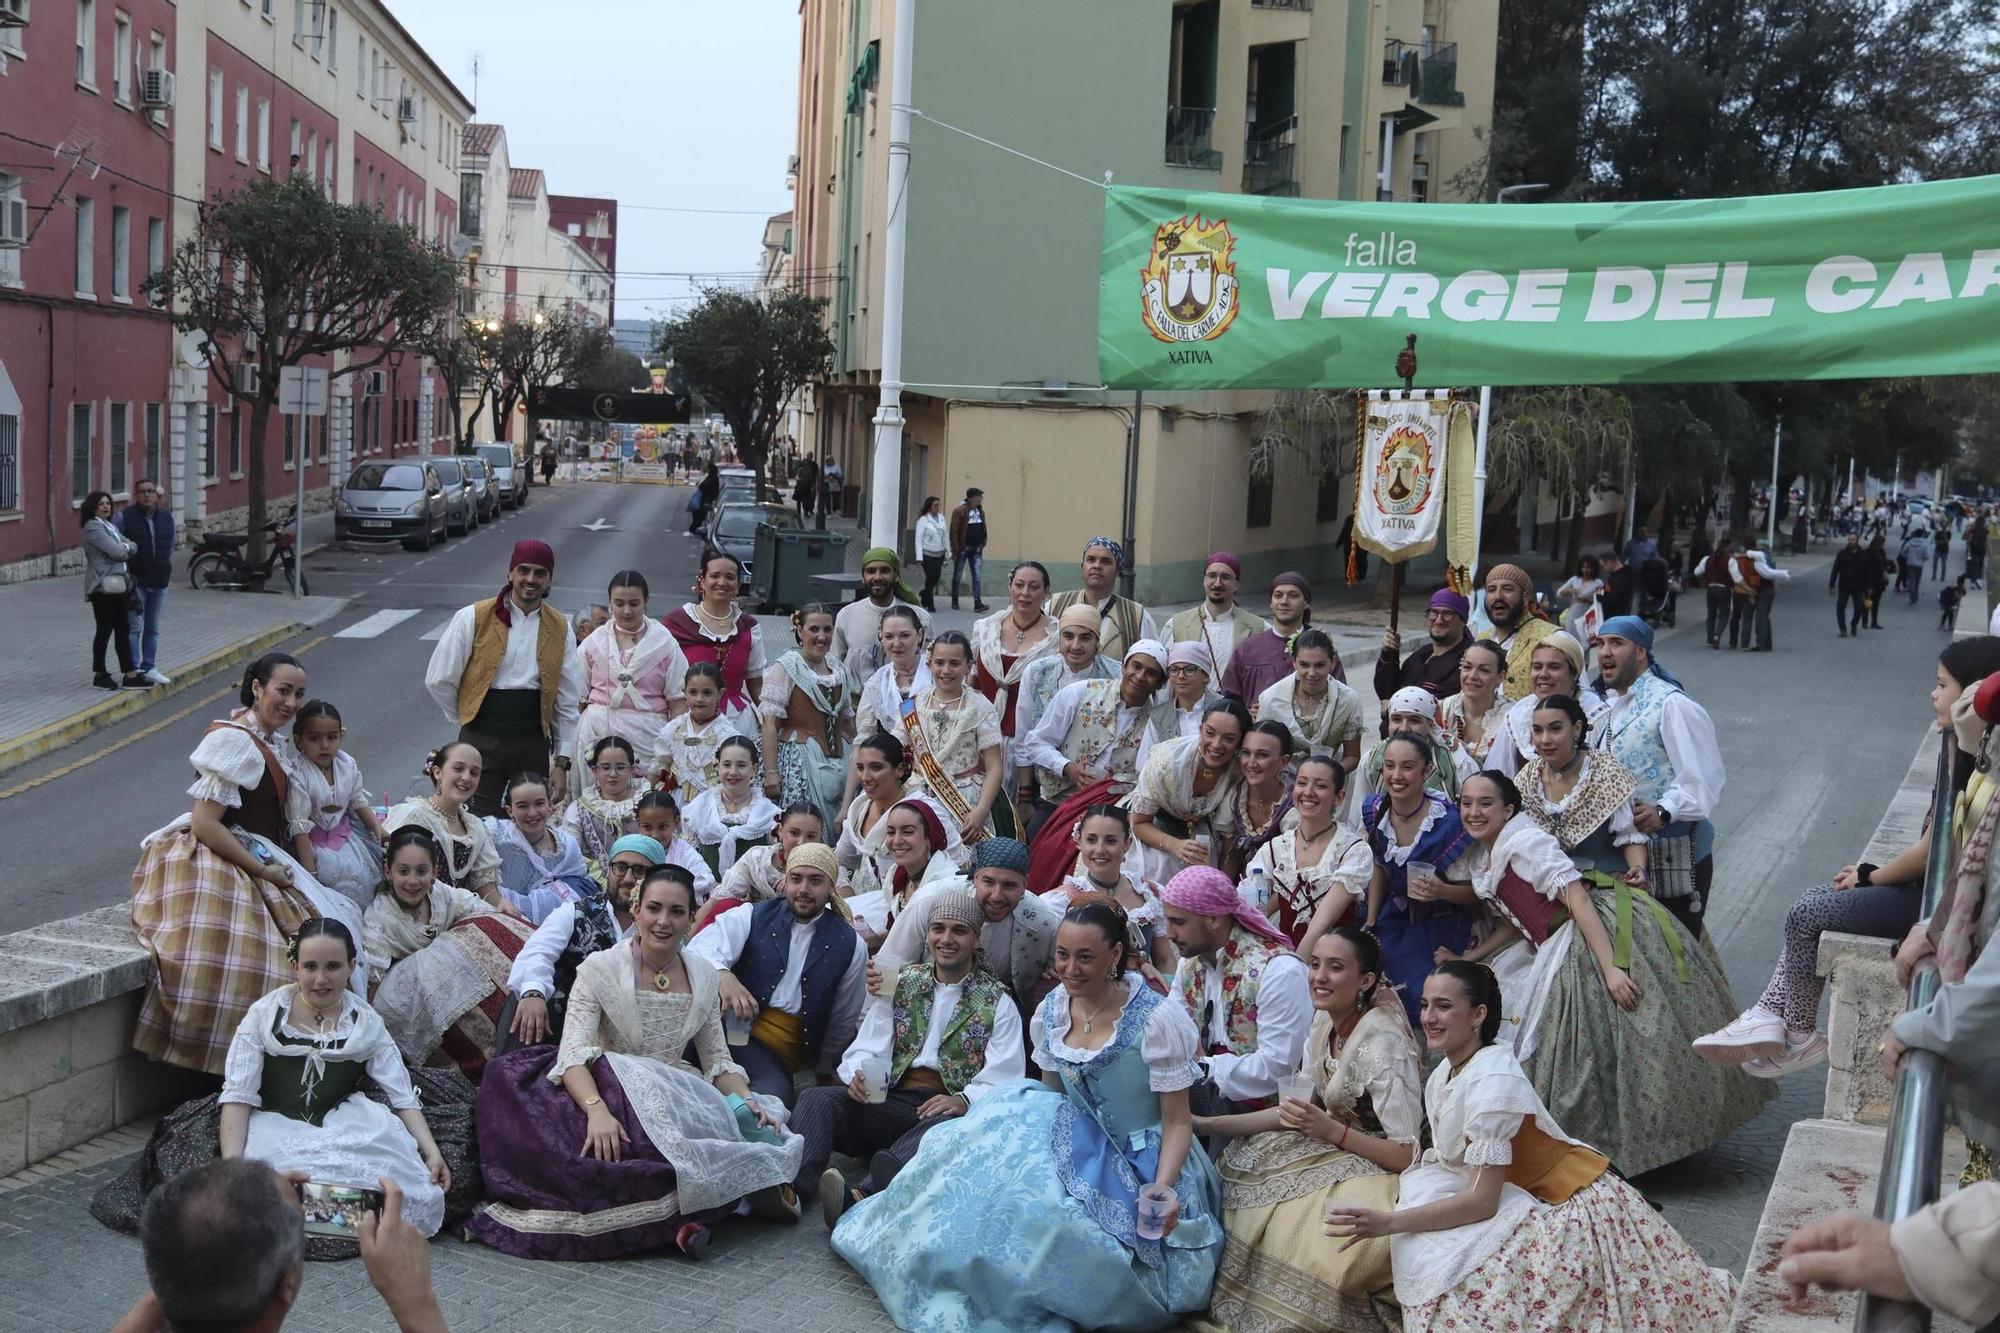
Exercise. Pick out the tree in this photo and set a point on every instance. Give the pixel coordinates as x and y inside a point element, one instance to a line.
<point>1577,441</point>
<point>613,370</point>
<point>277,274</point>
<point>540,350</point>
<point>746,356</point>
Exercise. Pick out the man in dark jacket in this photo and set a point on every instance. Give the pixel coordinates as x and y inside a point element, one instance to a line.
<point>1852,578</point>
<point>968,545</point>
<point>1434,666</point>
<point>151,529</point>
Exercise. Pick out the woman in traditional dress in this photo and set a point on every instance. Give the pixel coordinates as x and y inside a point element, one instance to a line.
<point>1263,800</point>
<point>343,841</point>
<point>471,861</point>
<point>541,866</point>
<point>1509,1223</point>
<point>1286,1165</point>
<point>1555,666</point>
<point>1008,642</point>
<point>1413,711</point>
<point>688,743</point>
<point>658,816</point>
<point>1476,716</point>
<point>1319,869</point>
<point>545,969</point>
<point>731,817</point>
<point>1103,867</point>
<point>604,812</point>
<point>905,673</point>
<point>1609,1000</point>
<point>759,872</point>
<point>807,709</point>
<point>1043,1186</point>
<point>1408,822</point>
<point>1181,808</point>
<point>1190,690</point>
<point>612,1144</point>
<point>634,676</point>
<point>711,629</point>
<point>916,839</point>
<point>951,736</point>
<point>1319,711</point>
<point>440,958</point>
<point>215,896</point>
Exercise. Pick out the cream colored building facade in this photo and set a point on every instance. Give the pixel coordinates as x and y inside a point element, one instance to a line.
<point>1284,97</point>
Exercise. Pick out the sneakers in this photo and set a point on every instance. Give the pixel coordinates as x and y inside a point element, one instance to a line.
<point>103,681</point>
<point>134,681</point>
<point>1799,1055</point>
<point>157,676</point>
<point>1757,1032</point>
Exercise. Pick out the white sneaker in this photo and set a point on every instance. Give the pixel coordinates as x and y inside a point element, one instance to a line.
<point>1803,1054</point>
<point>1755,1033</point>
<point>158,677</point>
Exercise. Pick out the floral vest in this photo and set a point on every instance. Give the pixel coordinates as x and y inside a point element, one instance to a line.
<point>962,1049</point>
<point>1634,740</point>
<point>1095,741</point>
<point>1243,960</point>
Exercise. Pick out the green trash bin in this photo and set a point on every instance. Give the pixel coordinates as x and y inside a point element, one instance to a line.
<point>786,560</point>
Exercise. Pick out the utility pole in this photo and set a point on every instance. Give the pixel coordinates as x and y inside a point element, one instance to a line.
<point>1501,196</point>
<point>1771,508</point>
<point>886,468</point>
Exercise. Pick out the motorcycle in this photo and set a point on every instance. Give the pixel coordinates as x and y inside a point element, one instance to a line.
<point>218,561</point>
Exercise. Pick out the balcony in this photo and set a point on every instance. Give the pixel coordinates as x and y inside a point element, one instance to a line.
<point>1430,73</point>
<point>1304,6</point>
<point>1188,142</point>
<point>1270,159</point>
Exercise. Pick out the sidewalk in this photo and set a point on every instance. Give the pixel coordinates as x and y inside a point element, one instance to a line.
<point>46,698</point>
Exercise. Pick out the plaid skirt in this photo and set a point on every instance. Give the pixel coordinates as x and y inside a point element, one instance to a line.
<point>217,937</point>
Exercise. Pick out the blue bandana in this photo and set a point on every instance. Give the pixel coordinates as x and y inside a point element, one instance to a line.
<point>1000,854</point>
<point>1117,551</point>
<point>638,842</point>
<point>1635,630</point>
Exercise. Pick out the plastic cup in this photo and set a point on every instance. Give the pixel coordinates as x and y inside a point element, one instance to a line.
<point>875,1080</point>
<point>1420,872</point>
<point>1295,1087</point>
<point>887,966</point>
<point>735,1031</point>
<point>1150,1221</point>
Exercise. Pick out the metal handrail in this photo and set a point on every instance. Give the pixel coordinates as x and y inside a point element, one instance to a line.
<point>1913,1155</point>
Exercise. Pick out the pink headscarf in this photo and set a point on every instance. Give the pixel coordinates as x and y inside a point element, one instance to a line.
<point>1206,891</point>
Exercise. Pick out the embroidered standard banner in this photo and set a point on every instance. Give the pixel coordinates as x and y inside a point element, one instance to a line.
<point>1402,472</point>
<point>1220,291</point>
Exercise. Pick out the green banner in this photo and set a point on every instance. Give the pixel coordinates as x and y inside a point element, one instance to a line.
<point>1230,291</point>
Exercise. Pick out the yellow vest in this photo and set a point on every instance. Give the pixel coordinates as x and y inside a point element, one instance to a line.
<point>489,645</point>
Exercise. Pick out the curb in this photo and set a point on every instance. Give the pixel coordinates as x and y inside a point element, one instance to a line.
<point>53,736</point>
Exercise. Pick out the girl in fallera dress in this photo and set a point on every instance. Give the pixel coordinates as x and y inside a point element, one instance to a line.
<point>1507,1222</point>
<point>881,772</point>
<point>916,840</point>
<point>471,861</point>
<point>806,716</point>
<point>733,816</point>
<point>1103,849</point>
<point>1262,805</point>
<point>1476,717</point>
<point>1183,805</point>
<point>598,818</point>
<point>1321,713</point>
<point>1319,869</point>
<point>658,816</point>
<point>1416,916</point>
<point>689,742</point>
<point>634,676</point>
<point>1555,666</point>
<point>904,675</point>
<point>1022,1215</point>
<point>541,866</point>
<point>951,736</point>
<point>760,871</point>
<point>341,843</point>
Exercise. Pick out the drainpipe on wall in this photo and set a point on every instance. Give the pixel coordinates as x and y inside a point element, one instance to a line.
<point>49,438</point>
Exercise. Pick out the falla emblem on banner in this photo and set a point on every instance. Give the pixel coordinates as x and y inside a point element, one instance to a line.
<point>1188,284</point>
<point>1406,475</point>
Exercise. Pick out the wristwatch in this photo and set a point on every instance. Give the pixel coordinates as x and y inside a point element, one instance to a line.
<point>1864,874</point>
<point>533,995</point>
<point>562,761</point>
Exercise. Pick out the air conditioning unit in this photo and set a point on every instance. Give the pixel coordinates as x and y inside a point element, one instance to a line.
<point>13,219</point>
<point>156,88</point>
<point>13,13</point>
<point>406,110</point>
<point>378,383</point>
<point>244,377</point>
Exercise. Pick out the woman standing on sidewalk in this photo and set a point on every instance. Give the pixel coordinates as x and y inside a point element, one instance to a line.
<point>107,586</point>
<point>933,545</point>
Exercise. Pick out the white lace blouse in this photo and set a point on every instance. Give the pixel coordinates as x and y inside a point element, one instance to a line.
<point>474,860</point>
<point>1169,1043</point>
<point>243,1066</point>
<point>609,1012</point>
<point>228,763</point>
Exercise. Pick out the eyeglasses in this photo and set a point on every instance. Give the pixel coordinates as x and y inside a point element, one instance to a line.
<point>623,871</point>
<point>1185,669</point>
<point>1440,615</point>
<point>611,770</point>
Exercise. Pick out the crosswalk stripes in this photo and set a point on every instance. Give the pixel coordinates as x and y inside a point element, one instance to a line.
<point>435,632</point>
<point>376,625</point>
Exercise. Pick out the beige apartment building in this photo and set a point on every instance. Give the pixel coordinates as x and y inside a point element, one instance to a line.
<point>1337,99</point>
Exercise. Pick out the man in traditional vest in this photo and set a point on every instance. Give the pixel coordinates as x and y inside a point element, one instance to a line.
<point>1090,735</point>
<point>1218,623</point>
<point>948,1034</point>
<point>1017,930</point>
<point>1244,987</point>
<point>1510,605</point>
<point>1122,622</point>
<point>507,671</point>
<point>1668,742</point>
<point>793,965</point>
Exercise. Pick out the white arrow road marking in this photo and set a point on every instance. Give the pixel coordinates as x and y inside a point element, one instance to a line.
<point>599,526</point>
<point>376,625</point>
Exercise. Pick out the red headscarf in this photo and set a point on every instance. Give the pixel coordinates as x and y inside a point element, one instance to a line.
<point>527,551</point>
<point>933,829</point>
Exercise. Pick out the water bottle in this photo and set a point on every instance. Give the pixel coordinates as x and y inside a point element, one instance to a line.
<point>1260,889</point>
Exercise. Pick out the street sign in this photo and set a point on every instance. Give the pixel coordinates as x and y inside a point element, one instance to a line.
<point>302,391</point>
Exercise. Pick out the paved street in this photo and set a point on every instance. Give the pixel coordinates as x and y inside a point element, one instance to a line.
<point>1816,736</point>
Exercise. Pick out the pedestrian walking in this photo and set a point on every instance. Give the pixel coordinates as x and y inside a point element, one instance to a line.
<point>833,501</point>
<point>1853,572</point>
<point>150,529</point>
<point>1915,553</point>
<point>1716,581</point>
<point>805,488</point>
<point>1975,552</point>
<point>107,586</point>
<point>548,463</point>
<point>1942,542</point>
<point>968,545</point>
<point>705,495</point>
<point>1763,578</point>
<point>1879,565</point>
<point>933,545</point>
<point>1949,597</point>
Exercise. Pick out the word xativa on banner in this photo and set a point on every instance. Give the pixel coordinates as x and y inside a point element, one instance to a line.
<point>1220,291</point>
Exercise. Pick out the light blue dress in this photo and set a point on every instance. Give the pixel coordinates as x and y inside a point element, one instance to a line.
<point>1021,1215</point>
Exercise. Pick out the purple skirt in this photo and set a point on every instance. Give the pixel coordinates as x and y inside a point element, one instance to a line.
<point>546,1199</point>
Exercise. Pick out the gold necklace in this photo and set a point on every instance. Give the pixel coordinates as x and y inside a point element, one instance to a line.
<point>663,978</point>
<point>1090,1020</point>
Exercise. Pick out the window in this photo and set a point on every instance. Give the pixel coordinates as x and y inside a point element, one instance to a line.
<point>235,442</point>
<point>360,66</point>
<point>242,123</point>
<point>325,434</point>
<point>332,39</point>
<point>264,134</point>
<point>10,42</point>
<point>121,58</point>
<point>79,450</point>
<point>86,245</point>
<point>268,6</point>
<point>329,169</point>
<point>297,148</point>
<point>1258,512</point>
<point>155,420</point>
<point>469,186</point>
<point>299,23</point>
<point>312,155</point>
<point>86,43</point>
<point>1327,508</point>
<point>10,461</point>
<point>288,427</point>
<point>121,253</point>
<point>118,442</point>
<point>12,206</point>
<point>208,446</point>
<point>156,246</point>
<point>215,109</point>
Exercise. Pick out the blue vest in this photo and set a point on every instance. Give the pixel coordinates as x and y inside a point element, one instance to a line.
<point>1634,739</point>
<point>769,948</point>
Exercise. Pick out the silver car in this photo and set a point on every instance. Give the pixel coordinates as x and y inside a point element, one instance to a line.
<point>485,492</point>
<point>507,471</point>
<point>392,499</point>
<point>732,528</point>
<point>461,505</point>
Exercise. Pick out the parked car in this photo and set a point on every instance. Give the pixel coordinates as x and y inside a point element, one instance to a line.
<point>462,506</point>
<point>393,499</point>
<point>507,470</point>
<point>739,486</point>
<point>484,490</point>
<point>732,528</point>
